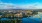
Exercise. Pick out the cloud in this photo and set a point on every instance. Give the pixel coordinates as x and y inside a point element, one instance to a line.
<point>7,5</point>
<point>36,5</point>
<point>32,6</point>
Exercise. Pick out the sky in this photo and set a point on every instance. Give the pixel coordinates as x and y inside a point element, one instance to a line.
<point>20,4</point>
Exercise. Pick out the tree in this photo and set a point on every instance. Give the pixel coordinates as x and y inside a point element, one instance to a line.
<point>35,12</point>
<point>1,13</point>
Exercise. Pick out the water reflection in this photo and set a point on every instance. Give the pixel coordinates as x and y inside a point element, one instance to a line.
<point>33,19</point>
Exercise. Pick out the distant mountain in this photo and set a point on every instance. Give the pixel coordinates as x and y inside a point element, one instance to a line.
<point>22,9</point>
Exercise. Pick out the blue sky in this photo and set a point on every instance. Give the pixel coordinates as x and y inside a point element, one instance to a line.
<point>21,1</point>
<point>21,4</point>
